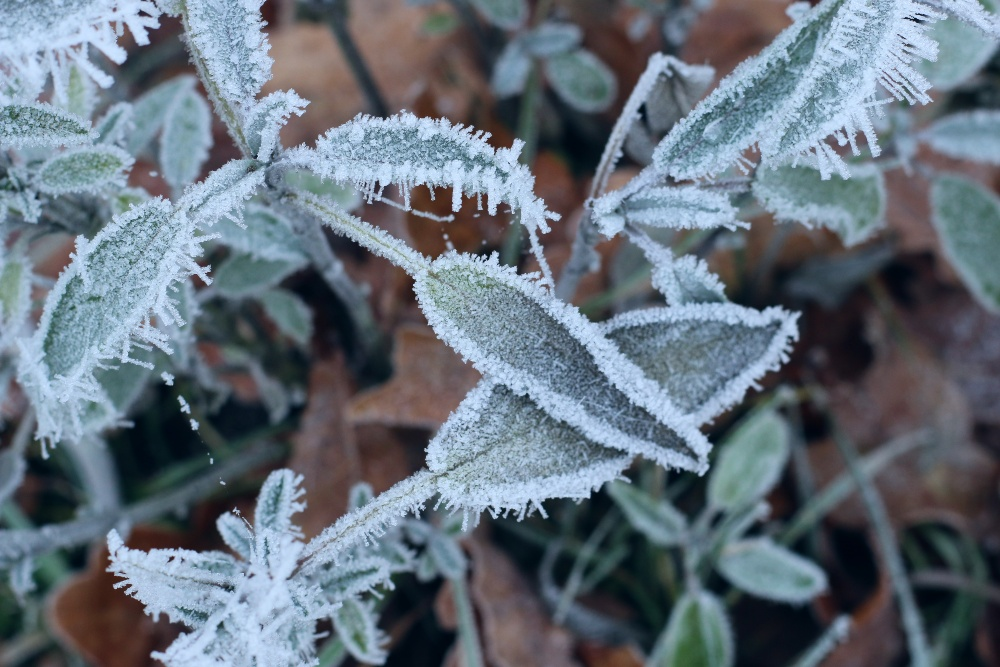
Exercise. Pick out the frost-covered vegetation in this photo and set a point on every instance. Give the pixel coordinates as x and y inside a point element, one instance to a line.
<point>566,405</point>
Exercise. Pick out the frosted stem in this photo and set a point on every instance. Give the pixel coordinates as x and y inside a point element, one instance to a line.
<point>336,18</point>
<point>467,632</point>
<point>828,641</point>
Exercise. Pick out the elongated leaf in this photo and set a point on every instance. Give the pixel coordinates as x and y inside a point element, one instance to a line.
<point>266,119</point>
<point>79,97</point>
<point>499,451</point>
<point>551,39</point>
<point>242,276</point>
<point>186,138</point>
<point>705,356</point>
<point>515,331</point>
<point>289,312</point>
<point>278,500</point>
<point>15,294</point>
<point>658,520</point>
<point>854,207</point>
<point>815,80</point>
<point>582,80</point>
<point>354,622</point>
<point>687,279</point>
<point>347,579</point>
<point>762,568</point>
<point>236,534</point>
<point>223,192</point>
<point>267,236</point>
<point>116,123</point>
<point>511,70</point>
<point>151,110</point>
<point>697,635</point>
<point>973,135</point>
<point>84,170</point>
<point>407,151</point>
<point>507,14</point>
<point>751,461</point>
<point>967,218</point>
<point>681,207</point>
<point>962,51</point>
<point>40,124</point>
<point>448,558</point>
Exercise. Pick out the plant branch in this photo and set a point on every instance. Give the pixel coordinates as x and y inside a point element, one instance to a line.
<point>336,19</point>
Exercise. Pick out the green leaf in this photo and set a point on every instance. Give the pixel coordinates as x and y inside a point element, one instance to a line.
<point>972,135</point>
<point>44,125</point>
<point>658,520</point>
<point>115,125</point>
<point>278,500</point>
<point>354,622</point>
<point>507,14</point>
<point>967,218</point>
<point>697,635</point>
<point>751,461</point>
<point>582,80</point>
<point>854,207</point>
<point>84,170</point>
<point>762,568</point>
<point>448,558</point>
<point>186,138</point>
<point>346,579</point>
<point>347,197</point>
<point>963,49</point>
<point>236,534</point>
<point>289,312</point>
<point>678,207</point>
<point>150,110</point>
<point>15,293</point>
<point>241,276</point>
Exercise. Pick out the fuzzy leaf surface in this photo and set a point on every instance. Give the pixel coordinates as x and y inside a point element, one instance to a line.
<point>39,124</point>
<point>354,622</point>
<point>267,236</point>
<point>582,80</point>
<point>762,568</point>
<point>241,276</point>
<point>84,170</point>
<point>963,49</point>
<point>186,138</point>
<point>854,208</point>
<point>658,520</point>
<point>698,634</point>
<point>751,461</point>
<point>150,110</point>
<point>967,219</point>
<point>681,207</point>
<point>972,135</point>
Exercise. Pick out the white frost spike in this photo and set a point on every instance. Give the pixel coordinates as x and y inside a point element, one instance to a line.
<point>499,451</point>
<point>266,118</point>
<point>705,356</point>
<point>818,79</point>
<point>679,207</point>
<point>227,37</point>
<point>408,151</point>
<point>42,37</point>
<point>513,330</point>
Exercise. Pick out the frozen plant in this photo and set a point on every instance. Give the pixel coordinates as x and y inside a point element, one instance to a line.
<point>565,405</point>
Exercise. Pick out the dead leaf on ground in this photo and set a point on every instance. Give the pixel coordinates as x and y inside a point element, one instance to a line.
<point>103,624</point>
<point>732,31</point>
<point>598,655</point>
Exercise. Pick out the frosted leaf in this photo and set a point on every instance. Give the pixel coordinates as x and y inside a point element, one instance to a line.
<point>266,118</point>
<point>79,97</point>
<point>705,356</point>
<point>23,125</point>
<point>973,135</point>
<point>187,586</point>
<point>764,569</point>
<point>15,294</point>
<point>551,39</point>
<point>751,461</point>
<point>354,622</point>
<point>52,36</point>
<point>346,196</point>
<point>511,70</point>
<point>407,151</point>
<point>359,495</point>
<point>854,208</point>
<point>85,169</point>
<point>289,312</point>
<point>582,80</point>
<point>237,535</point>
<point>241,276</point>
<point>519,334</point>
<point>186,138</point>
<point>277,501</point>
<point>226,37</point>
<point>962,51</point>
<point>973,13</point>
<point>658,520</point>
<point>223,192</point>
<point>697,635</point>
<point>150,110</point>
<point>499,451</point>
<point>446,556</point>
<point>101,303</point>
<point>819,78</point>
<point>967,219</point>
<point>679,207</point>
<point>267,235</point>
<point>116,124</point>
<point>685,279</point>
<point>507,14</point>
<point>349,578</point>
<point>120,387</point>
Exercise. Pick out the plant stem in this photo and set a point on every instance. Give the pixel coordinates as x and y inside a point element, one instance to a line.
<point>467,632</point>
<point>916,638</point>
<point>828,641</point>
<point>527,131</point>
<point>336,18</point>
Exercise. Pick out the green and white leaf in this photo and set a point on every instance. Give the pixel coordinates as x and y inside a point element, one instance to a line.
<point>79,95</point>
<point>266,118</point>
<point>42,125</point>
<point>15,294</point>
<point>150,110</point>
<point>963,49</point>
<point>186,138</point>
<point>279,498</point>
<point>682,280</point>
<point>515,331</point>
<point>658,520</point>
<point>241,276</point>
<point>762,568</point>
<point>85,169</point>
<point>551,39</point>
<point>354,622</point>
<point>750,462</point>
<point>698,634</point>
<point>970,135</point>
<point>967,219</point>
<point>506,14</point>
<point>854,208</point>
<point>581,80</point>
<point>289,312</point>
<point>679,207</point>
<point>511,70</point>
<point>236,533</point>
<point>500,451</point>
<point>115,126</point>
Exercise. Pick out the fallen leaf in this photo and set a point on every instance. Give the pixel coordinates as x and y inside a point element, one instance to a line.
<point>733,30</point>
<point>428,382</point>
<point>598,655</point>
